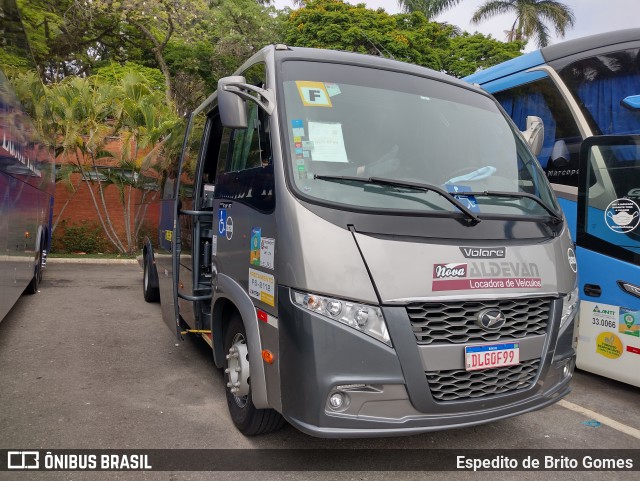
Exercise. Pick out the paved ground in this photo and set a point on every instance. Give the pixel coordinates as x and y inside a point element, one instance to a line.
<point>86,363</point>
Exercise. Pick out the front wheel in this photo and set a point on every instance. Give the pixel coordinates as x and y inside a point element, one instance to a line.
<point>249,420</point>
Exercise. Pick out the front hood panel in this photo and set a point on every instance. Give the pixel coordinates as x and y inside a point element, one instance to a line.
<point>404,270</point>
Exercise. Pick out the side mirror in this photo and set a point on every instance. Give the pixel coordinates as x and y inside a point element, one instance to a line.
<point>632,102</point>
<point>534,135</point>
<point>233,109</point>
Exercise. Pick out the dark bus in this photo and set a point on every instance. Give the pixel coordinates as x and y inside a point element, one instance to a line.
<point>27,178</point>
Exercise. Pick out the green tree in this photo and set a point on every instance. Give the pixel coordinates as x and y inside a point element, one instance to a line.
<point>157,21</point>
<point>409,37</point>
<point>67,38</point>
<point>337,25</point>
<point>469,52</point>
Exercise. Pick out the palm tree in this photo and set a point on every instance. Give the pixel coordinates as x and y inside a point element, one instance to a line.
<point>531,15</point>
<point>531,18</point>
<point>431,8</point>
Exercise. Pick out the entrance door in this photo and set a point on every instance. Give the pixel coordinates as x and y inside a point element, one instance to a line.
<point>193,226</point>
<point>608,251</point>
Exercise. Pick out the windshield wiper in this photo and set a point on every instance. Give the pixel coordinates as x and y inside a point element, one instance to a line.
<point>518,195</point>
<point>401,183</point>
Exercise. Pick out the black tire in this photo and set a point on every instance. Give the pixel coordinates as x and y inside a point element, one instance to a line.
<point>249,420</point>
<point>151,294</point>
<point>32,287</point>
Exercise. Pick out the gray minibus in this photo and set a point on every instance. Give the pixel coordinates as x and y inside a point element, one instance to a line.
<point>369,247</point>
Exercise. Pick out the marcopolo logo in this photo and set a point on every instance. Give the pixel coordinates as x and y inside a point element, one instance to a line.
<point>449,271</point>
<point>484,252</point>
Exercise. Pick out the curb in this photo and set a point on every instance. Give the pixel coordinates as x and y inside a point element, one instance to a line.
<point>76,260</point>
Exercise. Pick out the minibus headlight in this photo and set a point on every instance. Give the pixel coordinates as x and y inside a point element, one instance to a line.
<point>570,304</point>
<point>362,317</point>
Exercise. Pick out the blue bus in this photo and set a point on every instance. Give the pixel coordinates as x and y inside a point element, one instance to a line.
<point>26,174</point>
<point>586,94</point>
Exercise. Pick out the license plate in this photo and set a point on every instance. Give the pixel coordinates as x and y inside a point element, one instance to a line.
<point>490,356</point>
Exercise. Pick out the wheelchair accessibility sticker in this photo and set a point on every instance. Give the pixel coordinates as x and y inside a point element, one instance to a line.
<point>222,222</point>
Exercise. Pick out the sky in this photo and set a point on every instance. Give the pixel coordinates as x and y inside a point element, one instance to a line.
<point>592,16</point>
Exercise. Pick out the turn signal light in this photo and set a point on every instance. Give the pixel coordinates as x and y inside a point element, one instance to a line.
<point>268,356</point>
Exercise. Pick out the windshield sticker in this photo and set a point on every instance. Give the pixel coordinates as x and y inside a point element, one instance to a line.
<point>622,216</point>
<point>307,145</point>
<point>297,126</point>
<point>261,286</point>
<point>469,201</point>
<point>487,275</point>
<point>629,322</point>
<point>214,245</point>
<point>254,255</point>
<point>609,345</point>
<point>313,94</point>
<point>267,252</point>
<point>229,228</point>
<point>328,142</point>
<point>332,89</point>
<point>306,154</point>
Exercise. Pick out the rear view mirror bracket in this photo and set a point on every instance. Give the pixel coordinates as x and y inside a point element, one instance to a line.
<point>264,98</point>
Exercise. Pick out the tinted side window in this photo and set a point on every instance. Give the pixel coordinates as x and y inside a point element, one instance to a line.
<point>559,156</point>
<point>599,83</point>
<point>247,175</point>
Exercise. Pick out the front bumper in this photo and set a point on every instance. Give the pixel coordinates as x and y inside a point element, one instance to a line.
<point>385,389</point>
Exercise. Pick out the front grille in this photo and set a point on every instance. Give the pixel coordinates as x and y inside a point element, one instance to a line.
<point>460,384</point>
<point>455,322</point>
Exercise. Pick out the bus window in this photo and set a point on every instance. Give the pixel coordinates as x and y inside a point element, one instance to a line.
<point>599,84</point>
<point>245,170</point>
<point>561,148</point>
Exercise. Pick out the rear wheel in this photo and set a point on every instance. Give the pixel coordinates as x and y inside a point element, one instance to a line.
<point>249,420</point>
<point>151,294</point>
<point>32,288</point>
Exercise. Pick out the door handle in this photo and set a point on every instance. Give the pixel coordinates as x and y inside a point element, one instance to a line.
<point>592,290</point>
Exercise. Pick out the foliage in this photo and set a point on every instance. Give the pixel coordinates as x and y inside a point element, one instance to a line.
<point>408,37</point>
<point>340,26</point>
<point>468,53</point>
<point>242,27</point>
<point>114,73</point>
<point>66,38</point>
<point>86,237</point>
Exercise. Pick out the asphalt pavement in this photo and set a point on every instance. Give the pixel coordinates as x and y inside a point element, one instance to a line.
<point>86,363</point>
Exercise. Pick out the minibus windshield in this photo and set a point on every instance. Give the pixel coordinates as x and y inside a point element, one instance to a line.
<point>351,121</point>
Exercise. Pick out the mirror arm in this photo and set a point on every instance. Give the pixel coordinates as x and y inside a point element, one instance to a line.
<point>265,98</point>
